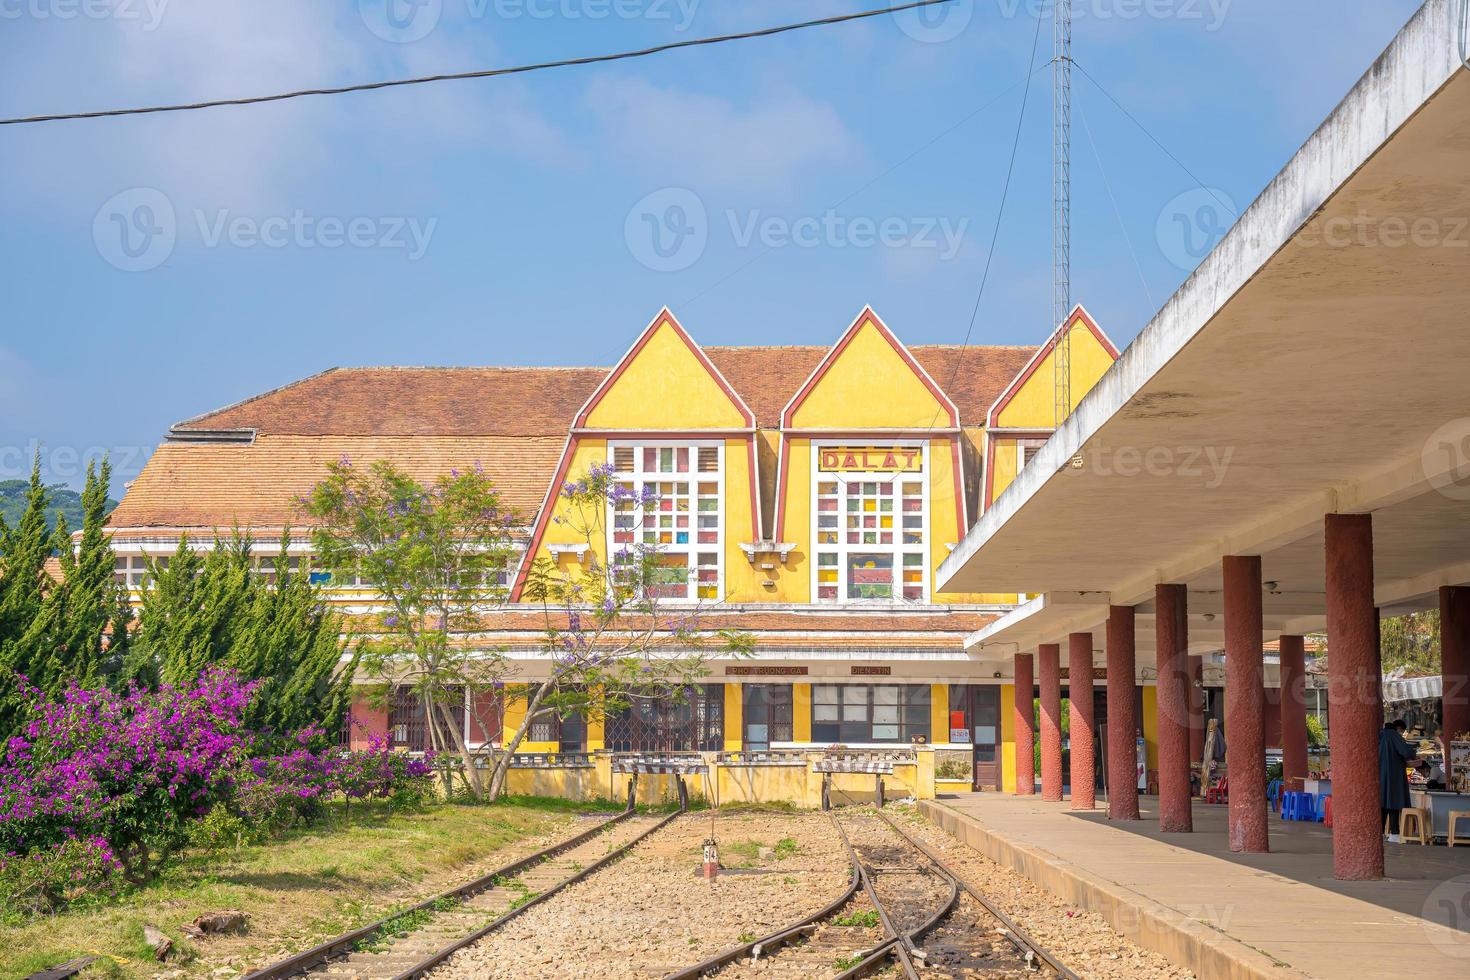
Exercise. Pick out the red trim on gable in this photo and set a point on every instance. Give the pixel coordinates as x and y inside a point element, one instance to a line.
<point>961,509</point>
<point>831,357</point>
<point>664,316</point>
<point>781,469</point>
<point>1078,312</point>
<point>539,531</point>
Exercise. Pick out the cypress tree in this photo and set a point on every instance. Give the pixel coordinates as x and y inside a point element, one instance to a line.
<point>23,586</point>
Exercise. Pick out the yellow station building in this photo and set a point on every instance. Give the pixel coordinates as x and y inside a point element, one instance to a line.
<point>807,494</point>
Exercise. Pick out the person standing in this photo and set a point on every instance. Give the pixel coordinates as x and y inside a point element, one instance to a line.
<point>1394,754</point>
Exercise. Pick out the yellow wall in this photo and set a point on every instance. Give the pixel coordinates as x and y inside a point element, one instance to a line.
<point>665,387</point>
<point>939,712</point>
<point>844,397</point>
<point>801,712</point>
<point>1034,405</point>
<point>1007,747</point>
<point>734,719</point>
<point>515,714</point>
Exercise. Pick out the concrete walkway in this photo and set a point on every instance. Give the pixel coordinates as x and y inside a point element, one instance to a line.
<point>1233,915</point>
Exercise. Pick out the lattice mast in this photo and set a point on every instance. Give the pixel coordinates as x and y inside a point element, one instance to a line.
<point>1061,229</point>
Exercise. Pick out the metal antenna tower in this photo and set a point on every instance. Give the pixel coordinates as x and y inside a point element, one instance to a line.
<point>1061,228</point>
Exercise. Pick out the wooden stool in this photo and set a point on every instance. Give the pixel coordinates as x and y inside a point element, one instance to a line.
<point>1456,816</point>
<point>1420,819</point>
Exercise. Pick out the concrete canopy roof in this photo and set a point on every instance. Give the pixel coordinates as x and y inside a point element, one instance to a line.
<point>1315,363</point>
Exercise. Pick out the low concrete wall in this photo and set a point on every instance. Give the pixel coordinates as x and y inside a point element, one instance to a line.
<point>797,785</point>
<point>1180,939</point>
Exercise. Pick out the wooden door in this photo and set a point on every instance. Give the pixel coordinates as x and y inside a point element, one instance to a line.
<point>985,735</point>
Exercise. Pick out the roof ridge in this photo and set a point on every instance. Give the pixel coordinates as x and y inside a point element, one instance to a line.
<point>188,423</point>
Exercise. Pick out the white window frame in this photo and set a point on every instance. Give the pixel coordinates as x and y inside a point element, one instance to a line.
<point>1025,450</point>
<point>691,549</point>
<point>897,548</point>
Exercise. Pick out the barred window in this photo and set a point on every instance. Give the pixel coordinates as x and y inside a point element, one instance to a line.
<point>859,713</point>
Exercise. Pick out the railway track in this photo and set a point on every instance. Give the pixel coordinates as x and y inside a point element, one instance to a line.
<point>904,908</point>
<point>410,943</point>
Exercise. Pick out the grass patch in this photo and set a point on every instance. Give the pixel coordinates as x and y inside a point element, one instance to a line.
<point>297,890</point>
<point>865,919</point>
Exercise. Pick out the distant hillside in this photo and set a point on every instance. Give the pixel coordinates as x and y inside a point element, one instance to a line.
<point>64,501</point>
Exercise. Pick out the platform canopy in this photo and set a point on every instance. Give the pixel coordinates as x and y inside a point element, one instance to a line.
<point>1318,361</point>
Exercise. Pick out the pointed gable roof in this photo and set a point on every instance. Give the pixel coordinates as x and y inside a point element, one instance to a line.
<point>646,366</point>
<point>1079,314</point>
<point>830,367</point>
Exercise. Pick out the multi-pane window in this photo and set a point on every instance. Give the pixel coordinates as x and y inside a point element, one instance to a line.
<point>766,710</point>
<point>871,526</point>
<point>850,714</point>
<point>671,504</point>
<point>132,570</point>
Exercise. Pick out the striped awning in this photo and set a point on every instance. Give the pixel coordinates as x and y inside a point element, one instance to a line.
<point>1411,688</point>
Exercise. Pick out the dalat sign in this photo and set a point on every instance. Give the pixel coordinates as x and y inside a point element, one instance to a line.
<point>873,459</point>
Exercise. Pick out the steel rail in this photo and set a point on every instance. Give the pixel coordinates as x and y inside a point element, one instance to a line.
<point>332,948</point>
<point>1017,936</point>
<point>782,935</point>
<point>427,964</point>
<point>895,946</point>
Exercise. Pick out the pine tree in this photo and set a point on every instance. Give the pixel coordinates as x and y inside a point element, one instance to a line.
<point>23,586</point>
<point>202,609</point>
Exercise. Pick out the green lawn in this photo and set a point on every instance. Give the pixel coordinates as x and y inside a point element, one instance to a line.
<point>299,889</point>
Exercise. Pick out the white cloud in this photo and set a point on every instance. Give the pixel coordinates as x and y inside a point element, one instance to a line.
<point>703,140</point>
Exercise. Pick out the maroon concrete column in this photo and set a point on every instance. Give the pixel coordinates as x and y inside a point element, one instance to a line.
<point>1083,741</point>
<point>1245,704</point>
<point>1050,656</point>
<point>1454,652</point>
<point>1355,698</point>
<point>1293,712</point>
<point>1025,697</point>
<point>1122,717</point>
<point>1171,639</point>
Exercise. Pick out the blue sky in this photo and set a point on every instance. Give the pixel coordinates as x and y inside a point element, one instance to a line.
<point>157,267</point>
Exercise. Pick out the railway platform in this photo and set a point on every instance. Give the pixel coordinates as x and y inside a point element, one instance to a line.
<point>1224,914</point>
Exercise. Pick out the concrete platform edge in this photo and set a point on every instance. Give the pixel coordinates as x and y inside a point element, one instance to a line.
<point>1178,938</point>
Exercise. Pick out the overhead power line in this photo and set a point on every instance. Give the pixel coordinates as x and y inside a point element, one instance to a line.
<point>481,73</point>
<point>1156,141</point>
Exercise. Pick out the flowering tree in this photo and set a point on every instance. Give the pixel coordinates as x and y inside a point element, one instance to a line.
<point>125,774</point>
<point>610,638</point>
<point>434,555</point>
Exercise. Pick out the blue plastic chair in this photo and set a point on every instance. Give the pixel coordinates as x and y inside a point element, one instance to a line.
<point>1322,808</point>
<point>1273,793</point>
<point>1307,807</point>
<point>1288,805</point>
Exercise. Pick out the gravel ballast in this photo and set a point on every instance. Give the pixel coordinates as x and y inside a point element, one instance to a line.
<point>1081,940</point>
<point>652,912</point>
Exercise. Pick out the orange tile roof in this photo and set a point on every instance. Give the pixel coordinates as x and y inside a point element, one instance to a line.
<point>512,420</point>
<point>767,377</point>
<point>214,485</point>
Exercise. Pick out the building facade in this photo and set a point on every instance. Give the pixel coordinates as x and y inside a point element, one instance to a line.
<point>805,495</point>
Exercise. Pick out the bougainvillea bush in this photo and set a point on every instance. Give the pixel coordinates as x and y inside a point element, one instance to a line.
<point>100,786</point>
<point>100,782</point>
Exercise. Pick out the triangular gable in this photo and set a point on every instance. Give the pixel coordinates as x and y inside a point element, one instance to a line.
<point>1079,315</point>
<point>869,380</point>
<point>665,382</point>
